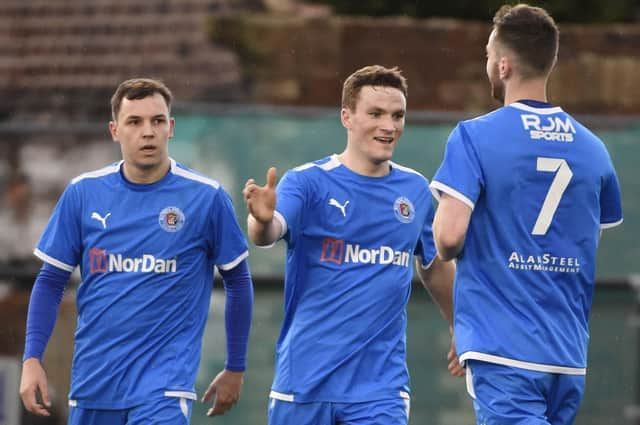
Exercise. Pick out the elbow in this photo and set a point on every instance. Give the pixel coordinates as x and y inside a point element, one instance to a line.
<point>449,246</point>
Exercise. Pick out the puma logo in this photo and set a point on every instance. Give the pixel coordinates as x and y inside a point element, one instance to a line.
<point>103,220</point>
<point>337,204</point>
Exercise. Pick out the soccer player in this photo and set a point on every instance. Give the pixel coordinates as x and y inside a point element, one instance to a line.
<point>146,233</point>
<point>524,192</point>
<point>352,223</point>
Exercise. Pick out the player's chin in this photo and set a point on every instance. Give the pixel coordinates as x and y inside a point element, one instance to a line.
<point>386,153</point>
<point>148,161</point>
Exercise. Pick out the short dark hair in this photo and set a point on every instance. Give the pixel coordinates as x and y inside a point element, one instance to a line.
<point>373,75</point>
<point>138,88</point>
<point>531,34</point>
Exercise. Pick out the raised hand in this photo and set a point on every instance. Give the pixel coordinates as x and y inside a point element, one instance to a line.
<point>261,200</point>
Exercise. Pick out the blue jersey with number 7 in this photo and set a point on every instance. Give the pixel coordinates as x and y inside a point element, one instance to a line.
<point>541,186</point>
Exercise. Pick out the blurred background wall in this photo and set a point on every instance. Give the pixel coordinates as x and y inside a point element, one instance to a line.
<point>257,83</point>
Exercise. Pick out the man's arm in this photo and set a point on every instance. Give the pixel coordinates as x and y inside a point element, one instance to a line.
<point>450,226</point>
<point>262,228</point>
<point>41,318</point>
<point>438,281</point>
<point>226,386</point>
<point>263,234</point>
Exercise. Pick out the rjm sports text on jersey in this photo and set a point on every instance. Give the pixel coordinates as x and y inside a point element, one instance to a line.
<point>553,128</point>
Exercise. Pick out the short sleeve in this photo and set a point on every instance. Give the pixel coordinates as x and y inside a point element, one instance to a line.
<point>290,204</point>
<point>426,248</point>
<point>230,245</point>
<point>61,242</point>
<point>610,201</point>
<point>460,174</point>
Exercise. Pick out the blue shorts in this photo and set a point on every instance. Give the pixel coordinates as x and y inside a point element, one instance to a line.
<point>505,395</point>
<point>162,411</point>
<point>379,412</point>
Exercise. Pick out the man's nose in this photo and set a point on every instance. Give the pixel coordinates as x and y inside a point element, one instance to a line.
<point>147,129</point>
<point>387,125</point>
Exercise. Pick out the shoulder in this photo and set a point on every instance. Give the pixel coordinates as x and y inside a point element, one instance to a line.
<point>312,171</point>
<point>97,174</point>
<point>193,177</point>
<point>481,122</point>
<point>322,165</point>
<point>410,173</point>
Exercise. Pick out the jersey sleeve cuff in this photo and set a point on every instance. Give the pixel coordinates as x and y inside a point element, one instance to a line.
<point>437,188</point>
<point>604,226</point>
<point>50,260</point>
<point>232,264</point>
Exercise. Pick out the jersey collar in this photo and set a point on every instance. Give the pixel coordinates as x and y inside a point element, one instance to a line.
<point>535,106</point>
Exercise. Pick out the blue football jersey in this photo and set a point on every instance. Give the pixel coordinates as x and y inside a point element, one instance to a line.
<point>146,255</point>
<point>350,240</point>
<point>541,186</point>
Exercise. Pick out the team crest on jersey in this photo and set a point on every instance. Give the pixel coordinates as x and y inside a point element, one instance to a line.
<point>171,219</point>
<point>403,208</point>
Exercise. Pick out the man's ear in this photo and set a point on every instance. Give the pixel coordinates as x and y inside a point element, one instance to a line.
<point>172,126</point>
<point>113,129</point>
<point>345,117</point>
<point>505,67</point>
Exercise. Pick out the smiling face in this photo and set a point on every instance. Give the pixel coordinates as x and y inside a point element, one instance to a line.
<point>374,128</point>
<point>143,128</point>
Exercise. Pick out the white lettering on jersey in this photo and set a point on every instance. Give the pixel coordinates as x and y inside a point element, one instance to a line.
<point>545,263</point>
<point>383,255</point>
<point>101,262</point>
<point>553,130</point>
<point>333,251</point>
<point>147,263</point>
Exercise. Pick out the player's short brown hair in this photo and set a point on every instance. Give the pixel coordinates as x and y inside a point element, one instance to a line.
<point>138,88</point>
<point>531,34</point>
<point>373,75</point>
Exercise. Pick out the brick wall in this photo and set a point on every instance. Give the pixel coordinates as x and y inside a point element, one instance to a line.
<point>303,60</point>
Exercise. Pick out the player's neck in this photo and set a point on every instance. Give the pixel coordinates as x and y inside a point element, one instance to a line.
<point>143,175</point>
<point>535,89</point>
<point>363,166</point>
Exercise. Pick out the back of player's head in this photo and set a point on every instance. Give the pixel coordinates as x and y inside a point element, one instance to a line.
<point>531,34</point>
<point>373,75</point>
<point>138,88</point>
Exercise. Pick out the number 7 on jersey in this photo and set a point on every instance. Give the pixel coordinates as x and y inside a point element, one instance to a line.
<point>556,190</point>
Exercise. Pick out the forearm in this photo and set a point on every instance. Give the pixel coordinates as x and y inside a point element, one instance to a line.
<point>238,314</point>
<point>438,281</point>
<point>43,308</point>
<point>263,234</point>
